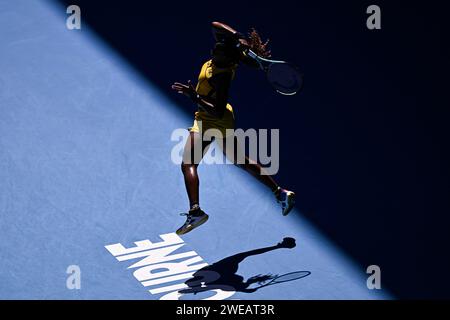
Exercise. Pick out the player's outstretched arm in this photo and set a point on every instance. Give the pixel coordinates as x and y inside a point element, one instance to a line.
<point>223,30</point>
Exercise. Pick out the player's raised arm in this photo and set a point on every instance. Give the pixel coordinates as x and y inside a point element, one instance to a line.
<point>221,30</point>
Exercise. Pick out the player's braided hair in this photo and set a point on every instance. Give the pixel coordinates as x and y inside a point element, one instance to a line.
<point>257,45</point>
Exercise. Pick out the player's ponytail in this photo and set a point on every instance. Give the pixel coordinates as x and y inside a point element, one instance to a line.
<point>257,45</point>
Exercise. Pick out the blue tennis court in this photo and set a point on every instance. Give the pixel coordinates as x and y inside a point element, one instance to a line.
<point>85,164</point>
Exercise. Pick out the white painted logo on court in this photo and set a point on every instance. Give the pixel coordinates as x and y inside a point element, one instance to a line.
<point>162,268</point>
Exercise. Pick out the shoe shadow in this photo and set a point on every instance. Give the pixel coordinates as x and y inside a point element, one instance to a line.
<point>222,274</point>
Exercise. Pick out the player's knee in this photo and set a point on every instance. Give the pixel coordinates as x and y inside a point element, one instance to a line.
<point>186,167</point>
<point>250,161</point>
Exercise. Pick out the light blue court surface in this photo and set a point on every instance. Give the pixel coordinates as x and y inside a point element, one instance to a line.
<point>85,163</point>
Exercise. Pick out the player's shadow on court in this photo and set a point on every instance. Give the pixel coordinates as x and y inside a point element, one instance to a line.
<point>222,274</point>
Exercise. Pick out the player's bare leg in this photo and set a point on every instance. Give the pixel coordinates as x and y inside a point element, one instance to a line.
<point>235,153</point>
<point>194,150</point>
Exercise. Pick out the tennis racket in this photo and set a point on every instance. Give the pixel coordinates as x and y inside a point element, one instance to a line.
<point>283,76</point>
<point>286,277</point>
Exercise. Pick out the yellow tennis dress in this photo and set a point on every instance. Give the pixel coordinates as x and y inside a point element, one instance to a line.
<point>206,90</point>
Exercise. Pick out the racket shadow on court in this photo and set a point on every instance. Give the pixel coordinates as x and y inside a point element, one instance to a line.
<point>222,274</point>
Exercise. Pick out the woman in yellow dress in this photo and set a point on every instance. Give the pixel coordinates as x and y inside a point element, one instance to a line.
<point>211,97</point>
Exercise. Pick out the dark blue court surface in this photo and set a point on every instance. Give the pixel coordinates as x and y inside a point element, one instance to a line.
<point>85,162</point>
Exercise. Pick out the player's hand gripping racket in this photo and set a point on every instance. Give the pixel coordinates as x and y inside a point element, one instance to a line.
<point>283,76</point>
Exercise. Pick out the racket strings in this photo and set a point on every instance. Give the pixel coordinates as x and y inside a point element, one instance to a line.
<point>291,276</point>
<point>285,78</point>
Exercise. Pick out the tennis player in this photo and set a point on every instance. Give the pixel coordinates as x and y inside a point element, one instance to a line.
<point>214,112</point>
